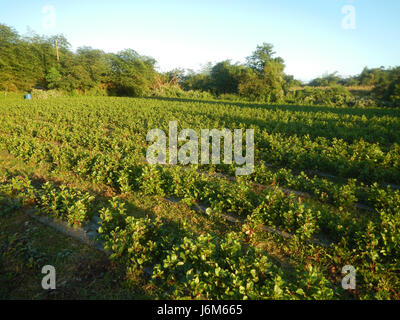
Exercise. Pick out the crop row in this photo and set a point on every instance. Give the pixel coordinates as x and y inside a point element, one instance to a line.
<point>109,125</point>
<point>66,157</point>
<point>223,196</point>
<point>183,264</point>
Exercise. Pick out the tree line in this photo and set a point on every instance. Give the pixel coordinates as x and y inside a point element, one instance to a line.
<point>32,61</point>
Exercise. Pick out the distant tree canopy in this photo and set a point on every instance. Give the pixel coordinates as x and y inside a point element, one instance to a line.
<point>261,56</point>
<point>261,78</point>
<point>131,73</point>
<point>388,86</point>
<point>32,61</point>
<point>326,80</point>
<point>225,77</point>
<point>385,83</point>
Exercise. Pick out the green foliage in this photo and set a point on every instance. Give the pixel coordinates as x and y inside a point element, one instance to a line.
<point>388,88</point>
<point>384,83</point>
<point>261,57</point>
<point>261,79</point>
<point>206,267</point>
<point>336,95</point>
<point>225,77</point>
<point>185,265</point>
<point>253,86</point>
<point>103,141</point>
<point>53,79</point>
<point>372,76</point>
<point>326,80</point>
<point>30,62</point>
<point>265,79</point>
<point>66,204</point>
<point>132,74</point>
<point>197,82</point>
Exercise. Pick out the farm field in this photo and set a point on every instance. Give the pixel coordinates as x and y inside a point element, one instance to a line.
<point>324,194</point>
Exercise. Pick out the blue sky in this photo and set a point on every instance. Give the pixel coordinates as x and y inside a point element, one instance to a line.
<point>307,34</point>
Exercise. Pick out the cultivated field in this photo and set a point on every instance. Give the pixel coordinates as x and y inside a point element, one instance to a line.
<point>323,195</point>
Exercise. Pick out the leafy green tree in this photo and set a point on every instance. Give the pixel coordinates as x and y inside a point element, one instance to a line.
<point>326,80</point>
<point>132,74</point>
<point>175,76</point>
<point>265,81</point>
<point>260,57</point>
<point>371,77</point>
<point>274,80</point>
<point>8,39</point>
<point>350,81</point>
<point>53,79</point>
<point>17,67</point>
<point>225,77</point>
<point>266,87</point>
<point>388,86</point>
<point>289,83</point>
<point>197,81</point>
<point>95,64</point>
<point>252,86</point>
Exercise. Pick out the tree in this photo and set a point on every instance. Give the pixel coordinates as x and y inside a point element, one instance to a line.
<point>274,80</point>
<point>132,73</point>
<point>53,79</point>
<point>388,86</point>
<point>266,80</point>
<point>260,57</point>
<point>198,81</point>
<point>326,80</point>
<point>267,86</point>
<point>9,38</point>
<point>252,86</point>
<point>95,64</point>
<point>225,77</point>
<point>290,82</point>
